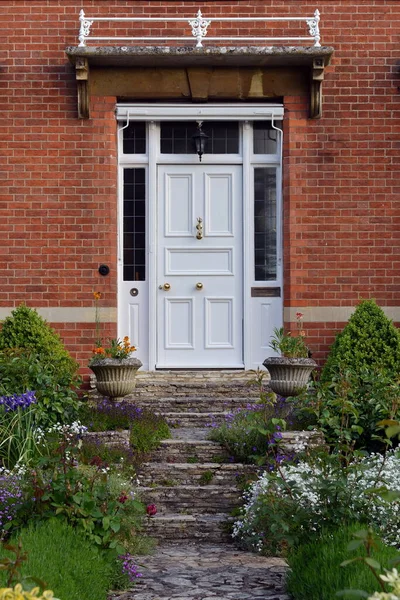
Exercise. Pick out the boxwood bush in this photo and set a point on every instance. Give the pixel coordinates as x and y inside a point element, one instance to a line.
<point>33,357</point>
<point>369,340</point>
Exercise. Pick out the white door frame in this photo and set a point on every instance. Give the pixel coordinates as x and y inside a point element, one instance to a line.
<point>153,113</point>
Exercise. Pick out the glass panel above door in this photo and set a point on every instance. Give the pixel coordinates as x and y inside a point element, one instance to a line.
<point>134,138</point>
<point>265,137</point>
<point>223,137</point>
<point>265,224</point>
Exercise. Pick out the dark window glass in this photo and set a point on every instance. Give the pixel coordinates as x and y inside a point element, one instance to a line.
<point>265,137</point>
<point>134,237</point>
<point>223,137</point>
<point>134,140</point>
<point>265,224</point>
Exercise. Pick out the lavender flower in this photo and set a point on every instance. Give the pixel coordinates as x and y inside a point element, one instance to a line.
<point>10,497</point>
<point>12,403</point>
<point>129,567</point>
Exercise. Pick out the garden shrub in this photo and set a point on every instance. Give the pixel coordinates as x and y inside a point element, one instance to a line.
<point>368,340</point>
<point>353,404</point>
<point>294,504</point>
<point>57,400</point>
<point>315,572</point>
<point>25,328</point>
<point>32,357</point>
<point>359,384</point>
<point>66,560</point>
<point>83,495</point>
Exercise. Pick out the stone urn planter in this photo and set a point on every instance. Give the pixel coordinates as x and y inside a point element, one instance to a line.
<point>115,378</point>
<point>289,376</point>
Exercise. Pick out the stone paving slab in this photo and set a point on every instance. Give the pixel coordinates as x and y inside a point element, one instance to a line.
<point>193,571</point>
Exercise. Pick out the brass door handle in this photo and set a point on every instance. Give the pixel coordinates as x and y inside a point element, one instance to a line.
<point>166,287</point>
<point>199,286</point>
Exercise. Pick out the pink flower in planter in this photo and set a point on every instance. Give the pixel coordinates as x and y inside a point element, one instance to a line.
<point>151,510</point>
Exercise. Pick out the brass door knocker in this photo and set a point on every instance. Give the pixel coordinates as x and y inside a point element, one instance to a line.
<point>199,228</point>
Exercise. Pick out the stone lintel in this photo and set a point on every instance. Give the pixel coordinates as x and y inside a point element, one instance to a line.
<point>198,66</point>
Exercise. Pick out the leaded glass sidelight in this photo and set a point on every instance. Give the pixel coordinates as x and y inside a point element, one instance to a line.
<point>265,224</point>
<point>134,223</point>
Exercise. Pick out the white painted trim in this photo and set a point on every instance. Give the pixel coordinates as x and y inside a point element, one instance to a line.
<point>248,210</point>
<point>182,112</point>
<point>152,232</point>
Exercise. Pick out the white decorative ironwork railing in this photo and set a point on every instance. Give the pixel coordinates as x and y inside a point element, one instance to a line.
<point>199,26</point>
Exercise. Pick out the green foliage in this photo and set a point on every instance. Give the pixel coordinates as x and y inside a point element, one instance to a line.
<point>66,560</point>
<point>107,415</point>
<point>33,357</point>
<point>359,384</point>
<point>206,478</point>
<point>146,432</point>
<point>288,345</point>
<point>351,406</point>
<point>316,572</point>
<point>368,340</point>
<point>83,497</point>
<point>22,370</point>
<point>242,434</point>
<point>18,443</point>
<point>27,329</point>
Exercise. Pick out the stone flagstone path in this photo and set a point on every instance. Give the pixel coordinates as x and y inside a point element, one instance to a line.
<point>197,571</point>
<point>194,486</point>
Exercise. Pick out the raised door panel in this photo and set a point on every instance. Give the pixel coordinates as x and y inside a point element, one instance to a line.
<point>179,198</point>
<point>218,218</point>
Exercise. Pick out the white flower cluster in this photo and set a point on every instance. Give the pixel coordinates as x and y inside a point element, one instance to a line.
<point>307,484</point>
<point>65,430</point>
<point>393,579</point>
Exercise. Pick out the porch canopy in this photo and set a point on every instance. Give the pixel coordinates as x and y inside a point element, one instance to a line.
<point>253,72</point>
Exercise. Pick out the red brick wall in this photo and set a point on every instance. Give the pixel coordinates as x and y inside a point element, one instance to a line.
<point>58,174</point>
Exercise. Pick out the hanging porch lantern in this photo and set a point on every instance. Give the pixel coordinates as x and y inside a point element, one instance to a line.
<point>200,140</point>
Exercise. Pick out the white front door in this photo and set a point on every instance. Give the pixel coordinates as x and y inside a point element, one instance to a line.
<point>200,295</point>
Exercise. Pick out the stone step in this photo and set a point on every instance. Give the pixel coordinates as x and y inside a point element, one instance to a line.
<point>191,499</point>
<point>172,527</point>
<point>204,420</point>
<point>196,404</point>
<point>175,474</point>
<point>189,451</point>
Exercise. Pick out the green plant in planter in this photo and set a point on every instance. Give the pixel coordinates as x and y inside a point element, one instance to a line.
<point>368,340</point>
<point>288,345</point>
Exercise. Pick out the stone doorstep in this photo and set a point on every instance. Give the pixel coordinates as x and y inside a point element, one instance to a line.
<point>191,499</point>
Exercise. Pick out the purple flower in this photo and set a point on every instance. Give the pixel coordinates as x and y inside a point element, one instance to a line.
<point>129,567</point>
<point>12,403</point>
<point>10,497</point>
